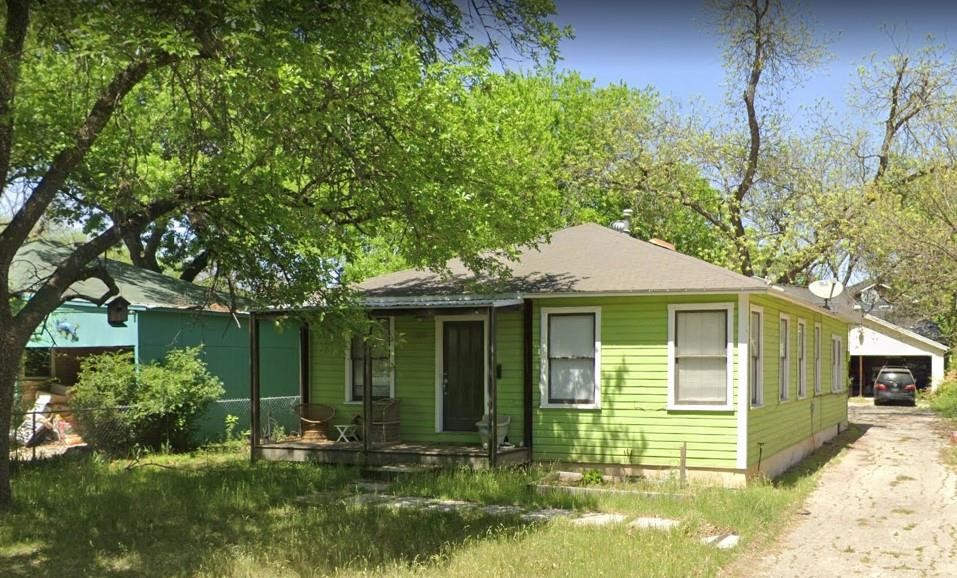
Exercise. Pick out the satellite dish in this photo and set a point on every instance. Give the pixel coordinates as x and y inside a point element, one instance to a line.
<point>826,289</point>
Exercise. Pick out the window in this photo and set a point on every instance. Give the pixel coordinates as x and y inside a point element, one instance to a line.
<point>817,358</point>
<point>784,359</point>
<point>383,376</point>
<point>802,358</point>
<point>756,351</point>
<point>837,363</point>
<point>699,348</point>
<point>571,367</point>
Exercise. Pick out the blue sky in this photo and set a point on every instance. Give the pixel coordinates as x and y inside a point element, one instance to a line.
<point>668,44</point>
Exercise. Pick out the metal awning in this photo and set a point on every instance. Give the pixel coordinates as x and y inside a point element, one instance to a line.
<point>451,302</point>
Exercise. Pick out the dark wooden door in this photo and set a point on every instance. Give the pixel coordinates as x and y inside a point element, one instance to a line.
<point>463,371</point>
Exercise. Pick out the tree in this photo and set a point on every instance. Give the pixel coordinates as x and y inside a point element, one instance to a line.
<point>614,159</point>
<point>271,139</point>
<point>906,167</point>
<point>771,194</point>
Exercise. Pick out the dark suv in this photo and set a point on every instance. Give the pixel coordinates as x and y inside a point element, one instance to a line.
<point>895,384</point>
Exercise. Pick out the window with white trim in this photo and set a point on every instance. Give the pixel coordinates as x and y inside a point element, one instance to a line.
<point>383,368</point>
<point>817,358</point>
<point>784,359</point>
<point>756,353</point>
<point>837,363</point>
<point>699,346</point>
<point>802,358</point>
<point>571,360</point>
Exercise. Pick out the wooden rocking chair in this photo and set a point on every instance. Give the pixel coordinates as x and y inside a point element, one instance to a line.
<point>315,419</point>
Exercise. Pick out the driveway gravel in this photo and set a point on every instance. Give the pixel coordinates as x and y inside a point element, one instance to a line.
<point>888,508</point>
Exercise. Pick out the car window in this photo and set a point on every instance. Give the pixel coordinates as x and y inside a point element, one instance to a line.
<point>895,378</point>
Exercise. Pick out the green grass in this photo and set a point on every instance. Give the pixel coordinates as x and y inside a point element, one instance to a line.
<point>216,514</point>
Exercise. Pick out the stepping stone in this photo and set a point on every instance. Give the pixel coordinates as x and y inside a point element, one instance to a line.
<point>448,506</point>
<point>654,523</point>
<point>372,486</point>
<point>569,477</point>
<point>598,519</point>
<point>723,541</point>
<point>496,510</point>
<point>545,514</point>
<point>365,499</point>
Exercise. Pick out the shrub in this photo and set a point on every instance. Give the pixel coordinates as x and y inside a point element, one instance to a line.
<point>122,408</point>
<point>944,400</point>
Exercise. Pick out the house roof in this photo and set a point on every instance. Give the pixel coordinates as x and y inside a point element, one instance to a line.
<point>585,259</point>
<point>841,306</point>
<point>36,261</point>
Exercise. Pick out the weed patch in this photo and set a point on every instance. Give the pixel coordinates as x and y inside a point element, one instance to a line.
<point>215,513</point>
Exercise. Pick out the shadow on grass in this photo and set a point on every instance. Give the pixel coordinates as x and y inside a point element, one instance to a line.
<point>78,517</point>
<point>813,463</point>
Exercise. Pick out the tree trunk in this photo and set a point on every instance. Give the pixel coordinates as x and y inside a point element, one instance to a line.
<point>12,343</point>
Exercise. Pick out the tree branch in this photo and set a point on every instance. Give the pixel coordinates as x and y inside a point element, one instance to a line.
<point>48,296</point>
<point>11,54</point>
<point>95,272</point>
<point>16,232</point>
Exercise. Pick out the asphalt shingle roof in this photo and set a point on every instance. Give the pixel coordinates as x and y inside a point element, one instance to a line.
<point>37,260</point>
<point>584,259</point>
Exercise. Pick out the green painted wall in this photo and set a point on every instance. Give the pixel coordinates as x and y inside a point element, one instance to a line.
<point>633,426</point>
<point>415,377</point>
<point>226,352</point>
<point>91,328</point>
<point>780,424</point>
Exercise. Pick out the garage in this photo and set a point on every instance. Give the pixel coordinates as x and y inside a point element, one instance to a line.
<point>877,343</point>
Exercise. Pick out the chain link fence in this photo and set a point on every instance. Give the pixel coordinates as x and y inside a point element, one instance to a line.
<point>49,432</point>
<point>277,417</point>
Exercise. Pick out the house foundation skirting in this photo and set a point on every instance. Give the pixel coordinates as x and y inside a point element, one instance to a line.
<point>725,477</point>
<point>776,464</point>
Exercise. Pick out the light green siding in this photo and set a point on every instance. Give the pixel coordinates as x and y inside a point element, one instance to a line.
<point>633,425</point>
<point>415,377</point>
<point>777,425</point>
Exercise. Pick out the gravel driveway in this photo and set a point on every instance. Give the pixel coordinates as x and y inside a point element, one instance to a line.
<point>889,508</point>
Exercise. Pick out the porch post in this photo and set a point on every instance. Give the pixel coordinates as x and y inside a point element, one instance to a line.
<point>304,360</point>
<point>492,392</point>
<point>303,366</point>
<point>527,378</point>
<point>253,383</point>
<point>860,375</point>
<point>366,397</point>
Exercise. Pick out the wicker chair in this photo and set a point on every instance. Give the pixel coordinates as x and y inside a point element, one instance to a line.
<point>385,420</point>
<point>315,419</point>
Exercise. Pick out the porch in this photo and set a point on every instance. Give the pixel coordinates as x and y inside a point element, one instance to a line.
<point>455,364</point>
<point>393,453</point>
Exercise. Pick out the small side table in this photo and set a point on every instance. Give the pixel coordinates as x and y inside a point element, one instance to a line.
<point>347,433</point>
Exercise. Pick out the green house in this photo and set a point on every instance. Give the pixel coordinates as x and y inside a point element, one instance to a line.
<point>162,313</point>
<point>599,350</point>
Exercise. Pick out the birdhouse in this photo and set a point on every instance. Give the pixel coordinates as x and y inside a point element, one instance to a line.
<point>117,312</point>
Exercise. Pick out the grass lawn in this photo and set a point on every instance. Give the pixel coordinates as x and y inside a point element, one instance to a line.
<point>216,514</point>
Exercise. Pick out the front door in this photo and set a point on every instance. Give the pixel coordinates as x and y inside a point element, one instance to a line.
<point>463,374</point>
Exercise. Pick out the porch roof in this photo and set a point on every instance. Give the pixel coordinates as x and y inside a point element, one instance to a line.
<point>443,302</point>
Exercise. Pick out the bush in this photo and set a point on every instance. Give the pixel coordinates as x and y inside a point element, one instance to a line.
<point>122,408</point>
<point>944,400</point>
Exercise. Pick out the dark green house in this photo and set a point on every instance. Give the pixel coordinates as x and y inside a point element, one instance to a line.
<point>163,313</point>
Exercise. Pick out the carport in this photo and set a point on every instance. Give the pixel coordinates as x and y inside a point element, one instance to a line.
<point>876,343</point>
